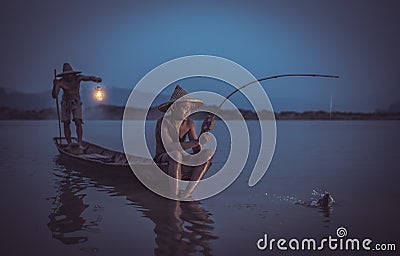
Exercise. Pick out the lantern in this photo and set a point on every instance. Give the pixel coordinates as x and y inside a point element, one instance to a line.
<point>99,93</point>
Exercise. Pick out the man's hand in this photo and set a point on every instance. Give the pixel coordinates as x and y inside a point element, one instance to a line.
<point>204,139</point>
<point>98,80</point>
<point>208,124</point>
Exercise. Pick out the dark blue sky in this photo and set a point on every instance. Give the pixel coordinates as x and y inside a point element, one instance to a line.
<point>122,40</point>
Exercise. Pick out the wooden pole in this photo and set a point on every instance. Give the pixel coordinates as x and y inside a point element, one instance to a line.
<point>58,111</point>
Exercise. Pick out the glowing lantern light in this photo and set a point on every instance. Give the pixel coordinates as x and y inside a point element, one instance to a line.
<point>99,93</point>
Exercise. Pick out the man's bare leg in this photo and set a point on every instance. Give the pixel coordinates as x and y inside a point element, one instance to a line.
<point>174,170</point>
<point>79,130</point>
<point>67,132</point>
<point>197,174</point>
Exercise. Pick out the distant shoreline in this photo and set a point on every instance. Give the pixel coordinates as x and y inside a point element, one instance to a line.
<point>108,112</point>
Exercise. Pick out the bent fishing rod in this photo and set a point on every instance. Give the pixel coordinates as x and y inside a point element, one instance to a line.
<point>211,117</point>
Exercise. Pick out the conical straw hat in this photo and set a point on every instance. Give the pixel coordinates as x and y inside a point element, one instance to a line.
<point>67,69</point>
<point>178,93</point>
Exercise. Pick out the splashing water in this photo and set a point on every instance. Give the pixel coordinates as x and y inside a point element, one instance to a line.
<point>314,201</point>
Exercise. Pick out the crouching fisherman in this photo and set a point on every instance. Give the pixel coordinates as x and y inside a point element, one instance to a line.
<point>175,133</point>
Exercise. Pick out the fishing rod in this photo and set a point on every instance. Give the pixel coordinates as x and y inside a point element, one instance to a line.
<point>211,117</point>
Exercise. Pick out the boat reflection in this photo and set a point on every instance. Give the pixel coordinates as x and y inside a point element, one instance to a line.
<point>181,228</point>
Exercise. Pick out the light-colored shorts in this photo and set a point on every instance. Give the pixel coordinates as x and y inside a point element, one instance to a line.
<point>69,107</point>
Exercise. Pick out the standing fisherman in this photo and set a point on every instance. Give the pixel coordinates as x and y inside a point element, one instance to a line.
<point>71,99</point>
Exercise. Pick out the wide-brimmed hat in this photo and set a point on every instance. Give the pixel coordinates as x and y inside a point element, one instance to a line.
<point>178,93</point>
<point>67,69</point>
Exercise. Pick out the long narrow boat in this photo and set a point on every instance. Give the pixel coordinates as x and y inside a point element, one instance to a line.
<point>94,154</point>
<point>102,160</point>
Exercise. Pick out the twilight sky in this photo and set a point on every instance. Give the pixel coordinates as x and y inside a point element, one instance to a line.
<point>123,40</point>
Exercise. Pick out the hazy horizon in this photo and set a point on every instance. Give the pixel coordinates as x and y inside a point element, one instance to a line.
<point>122,41</point>
<point>120,100</point>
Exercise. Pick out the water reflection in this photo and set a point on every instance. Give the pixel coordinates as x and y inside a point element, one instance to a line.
<point>181,228</point>
<point>66,217</point>
<point>326,212</point>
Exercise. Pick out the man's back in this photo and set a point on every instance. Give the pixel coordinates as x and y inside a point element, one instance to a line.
<point>71,90</point>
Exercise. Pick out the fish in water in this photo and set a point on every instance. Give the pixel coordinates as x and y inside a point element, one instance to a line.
<point>325,201</point>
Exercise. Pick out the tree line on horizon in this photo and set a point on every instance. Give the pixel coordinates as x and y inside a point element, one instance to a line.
<point>109,112</point>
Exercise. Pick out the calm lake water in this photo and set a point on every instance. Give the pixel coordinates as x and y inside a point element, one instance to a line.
<point>52,206</point>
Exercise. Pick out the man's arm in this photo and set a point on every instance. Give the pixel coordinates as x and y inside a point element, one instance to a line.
<point>57,86</point>
<point>191,144</point>
<point>90,78</point>
<point>169,143</point>
<point>193,136</point>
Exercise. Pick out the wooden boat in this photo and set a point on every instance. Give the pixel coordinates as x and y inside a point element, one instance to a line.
<point>94,154</point>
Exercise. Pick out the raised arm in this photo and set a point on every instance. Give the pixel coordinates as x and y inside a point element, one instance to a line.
<point>90,78</point>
